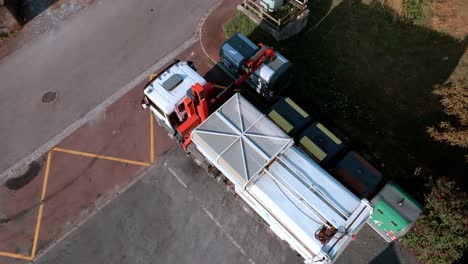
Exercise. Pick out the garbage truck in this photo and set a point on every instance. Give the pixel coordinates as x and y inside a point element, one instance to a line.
<point>225,133</point>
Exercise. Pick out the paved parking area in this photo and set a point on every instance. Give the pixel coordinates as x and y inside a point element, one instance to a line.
<point>93,165</point>
<point>174,214</point>
<point>177,214</point>
<point>59,210</point>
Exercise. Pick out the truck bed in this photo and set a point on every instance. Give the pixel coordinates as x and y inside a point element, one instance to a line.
<point>289,190</point>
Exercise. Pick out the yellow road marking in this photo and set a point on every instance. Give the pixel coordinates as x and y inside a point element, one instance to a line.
<point>85,154</point>
<point>151,138</point>
<point>92,155</point>
<point>152,77</point>
<point>17,256</point>
<point>41,205</point>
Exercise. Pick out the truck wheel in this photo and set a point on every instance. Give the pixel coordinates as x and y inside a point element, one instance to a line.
<point>213,172</point>
<point>144,103</point>
<point>191,65</point>
<point>198,162</point>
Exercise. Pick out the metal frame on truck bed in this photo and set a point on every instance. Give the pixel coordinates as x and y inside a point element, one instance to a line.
<point>301,202</point>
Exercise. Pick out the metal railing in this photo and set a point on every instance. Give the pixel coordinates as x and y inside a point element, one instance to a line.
<point>297,7</point>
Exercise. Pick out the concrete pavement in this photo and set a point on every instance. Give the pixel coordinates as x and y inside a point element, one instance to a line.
<point>174,214</point>
<point>92,55</point>
<point>90,167</point>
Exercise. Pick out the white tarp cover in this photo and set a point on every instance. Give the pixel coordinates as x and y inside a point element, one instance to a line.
<point>290,189</point>
<point>240,139</point>
<point>303,197</point>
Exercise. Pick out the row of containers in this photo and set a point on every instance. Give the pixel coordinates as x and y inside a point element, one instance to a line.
<point>394,210</point>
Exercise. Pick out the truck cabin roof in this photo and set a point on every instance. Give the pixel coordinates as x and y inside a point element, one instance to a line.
<point>169,89</point>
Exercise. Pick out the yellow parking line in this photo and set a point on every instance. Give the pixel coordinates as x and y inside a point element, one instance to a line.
<point>92,155</point>
<point>17,256</point>
<point>152,77</point>
<point>151,138</point>
<point>46,179</point>
<point>41,205</point>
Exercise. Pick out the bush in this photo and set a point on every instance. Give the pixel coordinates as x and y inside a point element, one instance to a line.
<point>441,233</point>
<point>455,103</point>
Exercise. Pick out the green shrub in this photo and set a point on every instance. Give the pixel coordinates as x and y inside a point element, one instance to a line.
<point>441,233</point>
<point>417,11</point>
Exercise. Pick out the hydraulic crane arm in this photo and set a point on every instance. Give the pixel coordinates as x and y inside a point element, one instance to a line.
<point>198,105</point>
<point>265,53</point>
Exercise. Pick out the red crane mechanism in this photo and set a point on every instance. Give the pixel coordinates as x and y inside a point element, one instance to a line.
<point>199,103</point>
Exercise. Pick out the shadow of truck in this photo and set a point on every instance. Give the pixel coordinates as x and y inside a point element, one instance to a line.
<point>26,10</point>
<point>369,74</point>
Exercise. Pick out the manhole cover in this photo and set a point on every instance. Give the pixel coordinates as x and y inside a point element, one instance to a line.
<point>49,97</point>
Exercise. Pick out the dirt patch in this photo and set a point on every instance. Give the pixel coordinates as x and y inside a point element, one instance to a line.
<point>395,5</point>
<point>451,17</point>
<point>19,182</point>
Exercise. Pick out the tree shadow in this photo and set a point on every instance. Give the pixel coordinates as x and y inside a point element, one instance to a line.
<point>387,256</point>
<point>366,72</point>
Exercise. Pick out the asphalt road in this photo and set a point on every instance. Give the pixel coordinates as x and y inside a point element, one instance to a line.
<point>177,214</point>
<point>94,53</point>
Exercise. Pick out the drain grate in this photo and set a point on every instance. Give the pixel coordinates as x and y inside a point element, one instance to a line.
<point>49,97</point>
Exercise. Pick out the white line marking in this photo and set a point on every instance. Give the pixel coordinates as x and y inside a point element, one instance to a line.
<point>227,234</point>
<point>177,177</point>
<point>212,217</point>
<point>19,166</point>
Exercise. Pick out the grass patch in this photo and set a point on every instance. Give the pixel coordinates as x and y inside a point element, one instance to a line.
<point>369,74</point>
<point>239,23</point>
<point>417,11</point>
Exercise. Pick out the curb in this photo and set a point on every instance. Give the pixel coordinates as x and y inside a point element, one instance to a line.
<point>21,165</point>
<point>201,26</point>
<point>210,32</point>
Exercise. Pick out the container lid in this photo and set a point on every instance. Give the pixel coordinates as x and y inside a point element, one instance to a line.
<point>386,218</point>
<point>289,116</point>
<point>320,143</point>
<point>358,174</point>
<point>240,139</point>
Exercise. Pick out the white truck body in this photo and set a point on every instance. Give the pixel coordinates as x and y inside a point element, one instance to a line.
<point>289,190</point>
<point>168,91</point>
